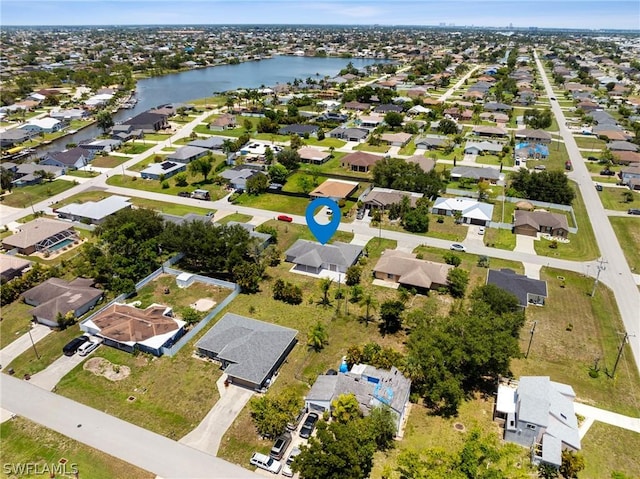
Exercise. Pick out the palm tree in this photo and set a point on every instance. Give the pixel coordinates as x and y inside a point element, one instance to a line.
<point>370,303</point>
<point>325,284</point>
<point>317,337</point>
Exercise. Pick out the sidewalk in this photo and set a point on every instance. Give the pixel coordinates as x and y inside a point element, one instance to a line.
<point>608,417</point>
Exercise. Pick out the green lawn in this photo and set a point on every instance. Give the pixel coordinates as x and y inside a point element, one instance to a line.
<point>83,173</point>
<point>614,199</point>
<point>155,186</point>
<point>108,161</point>
<point>582,246</point>
<point>326,143</point>
<point>239,217</point>
<point>157,136</point>
<point>494,160</point>
<point>145,162</point>
<point>25,442</point>
<point>571,334</point>
<point>273,202</point>
<point>628,233</point>
<point>447,230</point>
<point>500,238</point>
<point>372,148</point>
<point>28,195</point>
<point>409,149</point>
<point>332,166</point>
<point>15,321</point>
<point>135,147</point>
<point>607,449</point>
<point>591,143</point>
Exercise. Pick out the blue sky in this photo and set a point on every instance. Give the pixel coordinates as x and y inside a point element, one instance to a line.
<point>623,14</point>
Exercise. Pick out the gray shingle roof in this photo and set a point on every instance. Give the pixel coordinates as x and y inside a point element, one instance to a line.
<point>517,284</point>
<point>252,347</point>
<point>314,254</point>
<point>475,172</point>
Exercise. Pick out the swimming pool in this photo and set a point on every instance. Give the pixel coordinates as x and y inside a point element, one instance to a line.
<point>60,245</point>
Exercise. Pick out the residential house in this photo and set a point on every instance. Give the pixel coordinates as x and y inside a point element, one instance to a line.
<point>370,121</point>
<point>534,151</point>
<point>56,297</point>
<point>430,142</point>
<point>42,125</point>
<point>148,122</point>
<point>14,136</point>
<point>386,108</point>
<point>226,121</point>
<point>262,240</point>
<point>497,106</point>
<point>209,143</point>
<point>531,223</point>
<point>130,329</point>
<point>94,212</point>
<point>249,351</point>
<point>164,170</point>
<point>481,147</point>
<point>477,174</point>
<point>539,414</point>
<point>298,129</point>
<point>534,136</point>
<point>125,133</point>
<point>383,198</point>
<point>239,176</point>
<point>472,211</point>
<point>482,130</point>
<point>425,164</point>
<point>312,155</point>
<point>12,267</point>
<point>527,290</point>
<point>396,139</point>
<point>622,146</point>
<point>630,176</point>
<point>69,115</point>
<point>356,105</point>
<point>186,154</point>
<point>41,234</point>
<point>25,174</point>
<point>188,218</point>
<point>371,386</point>
<point>349,134</point>
<point>311,257</point>
<point>334,189</point>
<point>107,145</point>
<point>359,161</point>
<point>405,269</point>
<point>73,158</point>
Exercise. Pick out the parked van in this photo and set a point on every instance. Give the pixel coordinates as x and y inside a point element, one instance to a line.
<point>201,195</point>
<point>87,347</point>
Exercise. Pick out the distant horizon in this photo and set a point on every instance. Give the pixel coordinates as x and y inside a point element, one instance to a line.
<point>612,15</point>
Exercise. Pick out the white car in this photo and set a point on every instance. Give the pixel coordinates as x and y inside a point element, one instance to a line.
<point>286,469</point>
<point>481,230</point>
<point>87,347</point>
<point>457,247</point>
<point>265,462</point>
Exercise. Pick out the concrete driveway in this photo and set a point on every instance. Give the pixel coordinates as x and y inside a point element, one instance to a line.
<point>473,236</point>
<point>207,435</point>
<point>58,369</point>
<point>22,343</point>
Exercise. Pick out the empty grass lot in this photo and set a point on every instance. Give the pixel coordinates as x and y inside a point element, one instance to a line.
<point>15,321</point>
<point>607,449</point>
<point>447,230</point>
<point>155,186</point>
<point>372,148</point>
<point>500,238</point>
<point>109,161</point>
<point>136,147</point>
<point>29,195</point>
<point>239,217</point>
<point>572,330</point>
<point>589,142</point>
<point>26,442</point>
<point>628,233</point>
<point>83,173</point>
<point>615,199</point>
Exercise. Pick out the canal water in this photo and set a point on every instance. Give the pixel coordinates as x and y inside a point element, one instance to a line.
<point>207,82</point>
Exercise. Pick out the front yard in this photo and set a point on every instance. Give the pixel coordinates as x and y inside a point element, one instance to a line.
<point>29,195</point>
<point>616,199</point>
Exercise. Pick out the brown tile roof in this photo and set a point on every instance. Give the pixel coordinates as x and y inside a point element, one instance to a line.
<point>125,323</point>
<point>627,157</point>
<point>426,164</point>
<point>36,231</point>
<point>360,158</point>
<point>541,218</point>
<point>412,271</point>
<point>334,189</point>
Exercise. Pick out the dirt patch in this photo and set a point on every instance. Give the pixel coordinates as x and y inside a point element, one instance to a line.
<point>203,304</point>
<point>103,367</point>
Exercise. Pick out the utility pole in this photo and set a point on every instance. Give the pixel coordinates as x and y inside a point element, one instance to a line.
<point>601,267</point>
<point>32,343</point>
<point>624,341</point>
<point>533,330</point>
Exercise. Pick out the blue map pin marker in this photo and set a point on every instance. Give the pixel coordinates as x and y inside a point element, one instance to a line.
<point>323,233</point>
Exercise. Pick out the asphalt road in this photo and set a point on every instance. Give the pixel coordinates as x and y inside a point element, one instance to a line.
<point>617,274</point>
<point>135,445</point>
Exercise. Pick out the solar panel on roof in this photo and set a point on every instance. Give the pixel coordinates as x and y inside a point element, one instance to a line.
<point>167,164</point>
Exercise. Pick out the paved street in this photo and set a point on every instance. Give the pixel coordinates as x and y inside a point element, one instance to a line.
<point>22,343</point>
<point>135,445</point>
<point>617,274</point>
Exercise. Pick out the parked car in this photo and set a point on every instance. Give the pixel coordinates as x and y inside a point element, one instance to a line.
<point>87,347</point>
<point>607,172</point>
<point>552,98</point>
<point>593,158</point>
<point>265,462</point>
<point>286,218</point>
<point>286,469</point>
<point>280,445</point>
<point>309,425</point>
<point>457,247</point>
<point>360,214</point>
<point>293,425</point>
<point>568,166</point>
<point>634,211</point>
<point>72,346</point>
<point>598,187</point>
<point>481,230</point>
<point>184,194</point>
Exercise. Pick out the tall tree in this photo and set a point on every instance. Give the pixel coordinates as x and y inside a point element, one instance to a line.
<point>201,166</point>
<point>317,337</point>
<point>104,120</point>
<point>345,408</point>
<point>370,303</point>
<point>325,285</point>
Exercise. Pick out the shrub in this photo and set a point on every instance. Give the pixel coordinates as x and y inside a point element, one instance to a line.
<point>165,185</point>
<point>451,258</point>
<point>287,292</point>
